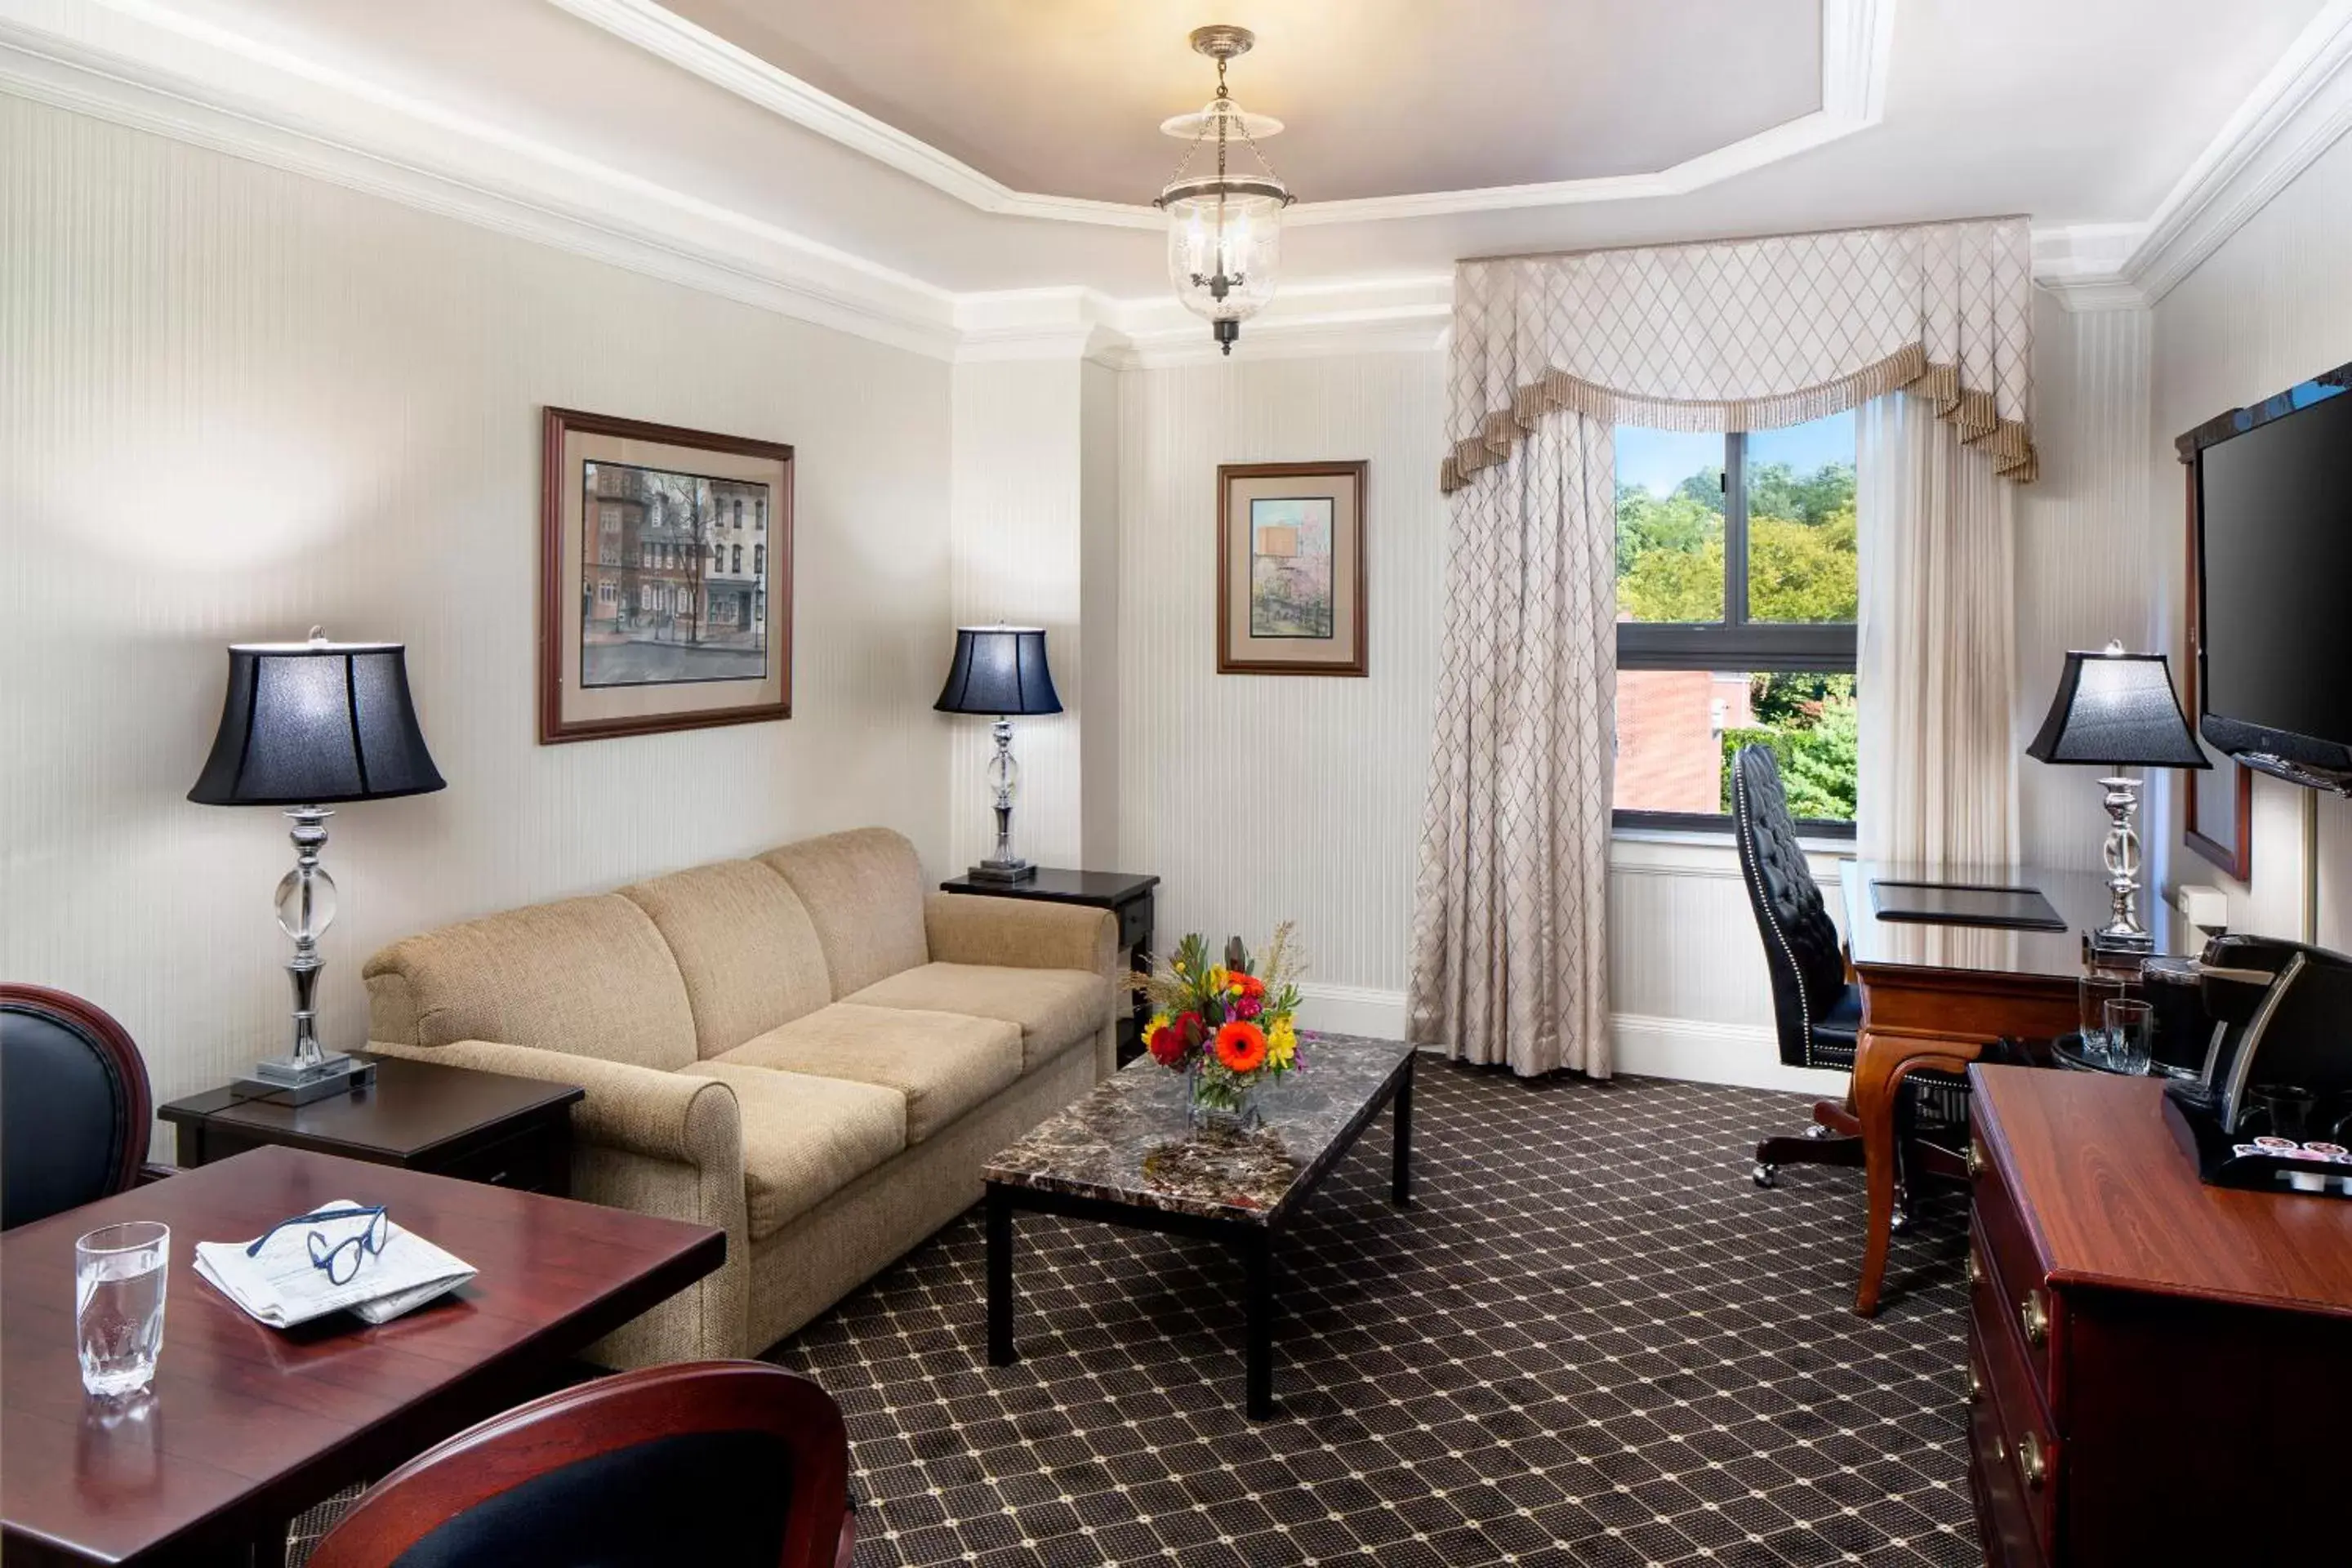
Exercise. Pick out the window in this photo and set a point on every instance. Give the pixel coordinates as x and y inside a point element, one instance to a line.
<point>759,561</point>
<point>739,560</point>
<point>1736,599</point>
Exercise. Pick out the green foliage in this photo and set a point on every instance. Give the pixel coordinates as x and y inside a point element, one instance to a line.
<point>1800,570</point>
<point>1812,725</point>
<point>1801,547</point>
<point>1775,489</point>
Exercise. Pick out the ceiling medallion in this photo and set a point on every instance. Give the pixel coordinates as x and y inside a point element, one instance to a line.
<point>1224,229</point>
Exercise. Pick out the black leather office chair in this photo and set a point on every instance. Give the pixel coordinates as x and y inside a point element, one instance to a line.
<point>1817,1009</point>
<point>75,1109</point>
<point>729,1464</point>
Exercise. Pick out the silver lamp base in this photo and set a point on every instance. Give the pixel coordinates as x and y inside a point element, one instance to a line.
<point>290,1080</point>
<point>2123,934</point>
<point>1005,871</point>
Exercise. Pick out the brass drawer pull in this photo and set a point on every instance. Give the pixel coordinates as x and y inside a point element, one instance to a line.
<point>1978,1163</point>
<point>2033,1313</point>
<point>1976,1268</point>
<point>1976,1384</point>
<point>2031,1463</point>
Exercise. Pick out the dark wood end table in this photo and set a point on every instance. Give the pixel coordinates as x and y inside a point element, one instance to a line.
<point>1126,894</point>
<point>1123,1155</point>
<point>444,1121</point>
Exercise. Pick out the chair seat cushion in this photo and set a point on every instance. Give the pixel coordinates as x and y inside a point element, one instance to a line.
<point>1055,1008</point>
<point>805,1137</point>
<point>1837,1033</point>
<point>941,1064</point>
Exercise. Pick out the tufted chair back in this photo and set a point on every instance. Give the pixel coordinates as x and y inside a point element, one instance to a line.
<point>1800,943</point>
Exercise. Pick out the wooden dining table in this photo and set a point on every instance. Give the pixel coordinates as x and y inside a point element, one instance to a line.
<point>247,1426</point>
<point>1934,997</point>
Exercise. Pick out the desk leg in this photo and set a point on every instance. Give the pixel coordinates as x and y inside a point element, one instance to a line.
<point>1258,1260</point>
<point>1881,1064</point>
<point>1400,1155</point>
<point>1001,1349</point>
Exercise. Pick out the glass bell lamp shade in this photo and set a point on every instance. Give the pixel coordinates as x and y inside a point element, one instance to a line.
<point>1224,247</point>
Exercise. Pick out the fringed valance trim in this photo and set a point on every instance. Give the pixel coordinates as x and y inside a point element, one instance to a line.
<point>1908,369</point>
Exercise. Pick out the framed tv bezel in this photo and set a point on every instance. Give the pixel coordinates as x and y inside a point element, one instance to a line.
<point>2235,854</point>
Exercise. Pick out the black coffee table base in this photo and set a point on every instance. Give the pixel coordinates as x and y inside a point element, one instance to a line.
<point>1253,1239</point>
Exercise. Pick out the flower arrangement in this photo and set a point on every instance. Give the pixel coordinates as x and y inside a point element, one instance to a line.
<point>1229,1026</point>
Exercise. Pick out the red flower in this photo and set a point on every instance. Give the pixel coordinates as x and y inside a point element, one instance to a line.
<point>1191,1028</point>
<point>1252,986</point>
<point>1241,1047</point>
<point>1248,1008</point>
<point>1167,1046</point>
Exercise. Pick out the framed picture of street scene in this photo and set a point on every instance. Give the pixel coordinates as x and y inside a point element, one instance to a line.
<point>1290,568</point>
<point>666,579</point>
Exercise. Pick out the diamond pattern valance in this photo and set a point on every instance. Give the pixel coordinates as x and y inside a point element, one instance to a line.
<point>1749,334</point>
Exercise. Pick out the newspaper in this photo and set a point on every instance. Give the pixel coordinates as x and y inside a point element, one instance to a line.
<point>281,1287</point>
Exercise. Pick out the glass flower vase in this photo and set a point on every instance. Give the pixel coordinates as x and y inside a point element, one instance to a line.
<point>1221,1103</point>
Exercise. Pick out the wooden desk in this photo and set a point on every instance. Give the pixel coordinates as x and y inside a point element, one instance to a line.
<point>246,1426</point>
<point>1936,996</point>
<point>2131,1331</point>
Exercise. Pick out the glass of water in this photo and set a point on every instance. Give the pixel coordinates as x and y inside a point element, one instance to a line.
<point>120,1273</point>
<point>2092,992</point>
<point>2131,1031</point>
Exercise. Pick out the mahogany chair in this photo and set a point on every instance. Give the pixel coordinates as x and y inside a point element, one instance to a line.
<point>1816,1007</point>
<point>731,1463</point>
<point>75,1109</point>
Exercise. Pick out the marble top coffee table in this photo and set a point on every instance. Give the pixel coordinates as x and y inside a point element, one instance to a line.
<point>1125,1155</point>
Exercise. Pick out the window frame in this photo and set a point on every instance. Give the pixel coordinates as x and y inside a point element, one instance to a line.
<point>1735,645</point>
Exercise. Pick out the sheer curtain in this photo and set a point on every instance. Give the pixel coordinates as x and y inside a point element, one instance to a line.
<point>1510,940</point>
<point>1937,627</point>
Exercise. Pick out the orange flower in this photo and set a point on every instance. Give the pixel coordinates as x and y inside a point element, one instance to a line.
<point>1250,985</point>
<point>1241,1047</point>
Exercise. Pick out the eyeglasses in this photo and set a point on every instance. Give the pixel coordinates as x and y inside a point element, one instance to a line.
<point>341,1261</point>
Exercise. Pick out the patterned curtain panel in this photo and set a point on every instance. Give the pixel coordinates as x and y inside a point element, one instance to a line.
<point>1751,336</point>
<point>1511,941</point>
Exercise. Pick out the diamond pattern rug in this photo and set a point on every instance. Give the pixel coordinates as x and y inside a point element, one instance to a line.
<point>1591,1341</point>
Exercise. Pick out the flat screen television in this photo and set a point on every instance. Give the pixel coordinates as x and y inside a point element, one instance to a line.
<point>2274,577</point>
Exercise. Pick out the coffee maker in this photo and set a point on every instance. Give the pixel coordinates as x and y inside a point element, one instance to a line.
<point>2270,1105</point>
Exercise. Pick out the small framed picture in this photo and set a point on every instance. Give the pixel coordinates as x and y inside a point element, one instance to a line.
<point>1290,569</point>
<point>666,579</point>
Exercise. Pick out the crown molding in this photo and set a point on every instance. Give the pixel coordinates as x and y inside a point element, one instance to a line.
<point>1375,315</point>
<point>2299,110</point>
<point>1857,48</point>
<point>144,65</point>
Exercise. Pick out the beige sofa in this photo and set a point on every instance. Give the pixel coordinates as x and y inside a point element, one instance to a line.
<point>804,1049</point>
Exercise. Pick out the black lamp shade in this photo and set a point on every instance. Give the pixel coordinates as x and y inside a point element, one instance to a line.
<point>2117,710</point>
<point>999,671</point>
<point>313,724</point>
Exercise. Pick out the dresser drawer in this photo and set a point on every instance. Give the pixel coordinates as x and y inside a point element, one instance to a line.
<point>2006,1274</point>
<point>536,1160</point>
<point>2006,1526</point>
<point>1135,925</point>
<point>2016,1441</point>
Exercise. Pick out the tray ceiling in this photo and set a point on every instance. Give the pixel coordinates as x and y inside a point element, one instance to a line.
<point>1382,98</point>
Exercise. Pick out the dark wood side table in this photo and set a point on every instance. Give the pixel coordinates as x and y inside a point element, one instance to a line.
<point>444,1121</point>
<point>1125,894</point>
<point>2155,1365</point>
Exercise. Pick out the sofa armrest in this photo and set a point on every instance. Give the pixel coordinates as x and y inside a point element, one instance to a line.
<point>636,1109</point>
<point>1019,933</point>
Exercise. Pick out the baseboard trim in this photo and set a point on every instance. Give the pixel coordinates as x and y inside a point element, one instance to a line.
<point>1693,1049</point>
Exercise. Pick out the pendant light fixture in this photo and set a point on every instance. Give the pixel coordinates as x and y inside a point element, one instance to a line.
<point>1224,227</point>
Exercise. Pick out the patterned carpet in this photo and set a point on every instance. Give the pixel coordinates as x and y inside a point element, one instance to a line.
<point>1592,1342</point>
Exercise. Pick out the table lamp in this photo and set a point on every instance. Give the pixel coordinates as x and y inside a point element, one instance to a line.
<point>304,726</point>
<point>2117,710</point>
<point>1001,670</point>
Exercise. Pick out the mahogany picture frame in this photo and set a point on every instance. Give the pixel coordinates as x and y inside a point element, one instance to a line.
<point>1347,596</point>
<point>562,622</point>
<point>2235,852</point>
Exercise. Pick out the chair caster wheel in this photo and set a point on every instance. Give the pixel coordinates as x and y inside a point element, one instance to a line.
<point>1901,1222</point>
<point>1767,1175</point>
<point>1816,1132</point>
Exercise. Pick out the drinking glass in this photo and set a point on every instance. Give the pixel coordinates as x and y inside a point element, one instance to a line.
<point>120,1273</point>
<point>2092,992</point>
<point>2131,1031</point>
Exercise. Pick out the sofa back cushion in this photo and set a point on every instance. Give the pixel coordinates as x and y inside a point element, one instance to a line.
<point>745,945</point>
<point>864,891</point>
<point>588,976</point>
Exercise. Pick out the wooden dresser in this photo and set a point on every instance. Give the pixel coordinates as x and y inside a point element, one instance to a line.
<point>2158,1370</point>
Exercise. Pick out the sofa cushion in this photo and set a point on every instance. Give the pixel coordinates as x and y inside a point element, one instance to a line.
<point>744,944</point>
<point>865,894</point>
<point>943,1063</point>
<point>591,977</point>
<point>804,1139</point>
<point>1055,1008</point>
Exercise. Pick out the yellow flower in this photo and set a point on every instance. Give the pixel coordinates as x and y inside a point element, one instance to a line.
<point>1281,1043</point>
<point>1217,978</point>
<point>1159,1022</point>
